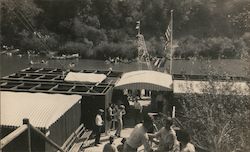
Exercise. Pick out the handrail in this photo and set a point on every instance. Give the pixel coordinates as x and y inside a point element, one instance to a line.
<point>6,140</point>
<point>68,143</point>
<point>71,136</point>
<point>27,126</point>
<point>51,142</point>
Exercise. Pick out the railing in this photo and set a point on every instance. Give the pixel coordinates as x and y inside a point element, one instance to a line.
<point>27,126</point>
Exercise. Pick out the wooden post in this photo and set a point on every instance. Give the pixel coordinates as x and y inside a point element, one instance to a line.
<point>171,41</point>
<point>51,142</point>
<point>26,122</point>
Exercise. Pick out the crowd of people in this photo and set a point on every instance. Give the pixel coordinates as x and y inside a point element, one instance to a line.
<point>167,138</point>
<point>114,114</point>
<point>170,140</point>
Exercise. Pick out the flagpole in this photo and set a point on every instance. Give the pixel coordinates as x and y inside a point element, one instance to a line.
<point>171,43</point>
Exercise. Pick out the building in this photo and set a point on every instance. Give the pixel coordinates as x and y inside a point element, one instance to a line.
<point>56,115</point>
<point>201,69</point>
<point>94,86</point>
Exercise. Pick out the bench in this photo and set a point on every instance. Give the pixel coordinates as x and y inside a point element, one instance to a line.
<point>69,143</point>
<point>81,141</point>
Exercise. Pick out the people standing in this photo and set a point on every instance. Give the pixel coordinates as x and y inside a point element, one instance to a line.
<point>184,139</point>
<point>119,114</point>
<point>109,116</point>
<point>138,111</point>
<point>110,147</point>
<point>99,124</point>
<point>139,136</point>
<point>167,137</point>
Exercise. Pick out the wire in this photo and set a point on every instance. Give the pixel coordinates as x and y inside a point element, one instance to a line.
<point>30,25</point>
<point>31,29</point>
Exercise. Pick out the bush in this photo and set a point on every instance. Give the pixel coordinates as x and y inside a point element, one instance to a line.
<point>81,30</point>
<point>123,50</point>
<point>117,36</point>
<point>84,49</point>
<point>30,41</point>
<point>212,48</point>
<point>218,122</point>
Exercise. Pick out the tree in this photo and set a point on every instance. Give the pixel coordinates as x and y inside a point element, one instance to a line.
<point>16,16</point>
<point>219,116</point>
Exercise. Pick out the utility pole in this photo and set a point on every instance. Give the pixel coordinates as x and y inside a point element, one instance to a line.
<point>171,43</point>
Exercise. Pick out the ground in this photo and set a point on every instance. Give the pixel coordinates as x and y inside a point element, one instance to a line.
<point>105,139</point>
<point>129,123</point>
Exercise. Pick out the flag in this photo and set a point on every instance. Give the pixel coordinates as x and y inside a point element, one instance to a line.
<point>137,25</point>
<point>168,35</point>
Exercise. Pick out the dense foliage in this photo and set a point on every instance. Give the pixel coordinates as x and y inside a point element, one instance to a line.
<point>219,117</point>
<point>210,28</point>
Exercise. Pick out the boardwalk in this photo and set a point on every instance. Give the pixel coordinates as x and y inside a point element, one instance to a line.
<point>105,139</point>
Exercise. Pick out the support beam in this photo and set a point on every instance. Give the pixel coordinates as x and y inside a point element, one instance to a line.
<point>107,86</point>
<point>27,122</point>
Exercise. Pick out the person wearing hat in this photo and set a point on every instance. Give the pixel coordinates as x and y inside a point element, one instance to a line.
<point>109,116</point>
<point>139,136</point>
<point>167,137</point>
<point>120,112</point>
<point>110,147</point>
<point>99,123</point>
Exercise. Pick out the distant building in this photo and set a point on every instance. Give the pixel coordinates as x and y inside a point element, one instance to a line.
<point>201,69</point>
<point>190,76</point>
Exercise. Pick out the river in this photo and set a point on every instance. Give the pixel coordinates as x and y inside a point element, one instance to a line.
<point>12,64</point>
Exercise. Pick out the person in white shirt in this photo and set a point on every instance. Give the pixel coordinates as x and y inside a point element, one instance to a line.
<point>99,123</point>
<point>119,114</point>
<point>167,138</point>
<point>139,136</point>
<point>184,139</point>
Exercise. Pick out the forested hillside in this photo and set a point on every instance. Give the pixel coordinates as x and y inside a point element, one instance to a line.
<point>103,28</point>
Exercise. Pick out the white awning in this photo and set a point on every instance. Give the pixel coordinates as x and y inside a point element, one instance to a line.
<point>219,87</point>
<point>85,77</point>
<point>41,109</point>
<point>149,80</point>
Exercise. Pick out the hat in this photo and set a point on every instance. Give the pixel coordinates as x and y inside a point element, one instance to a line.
<point>112,137</point>
<point>147,118</point>
<point>100,110</point>
<point>122,106</point>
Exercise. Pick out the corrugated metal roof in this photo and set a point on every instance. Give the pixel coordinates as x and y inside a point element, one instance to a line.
<point>144,79</point>
<point>221,87</point>
<point>41,109</point>
<point>230,67</point>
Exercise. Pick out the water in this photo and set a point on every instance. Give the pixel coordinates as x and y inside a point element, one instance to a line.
<point>12,64</point>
